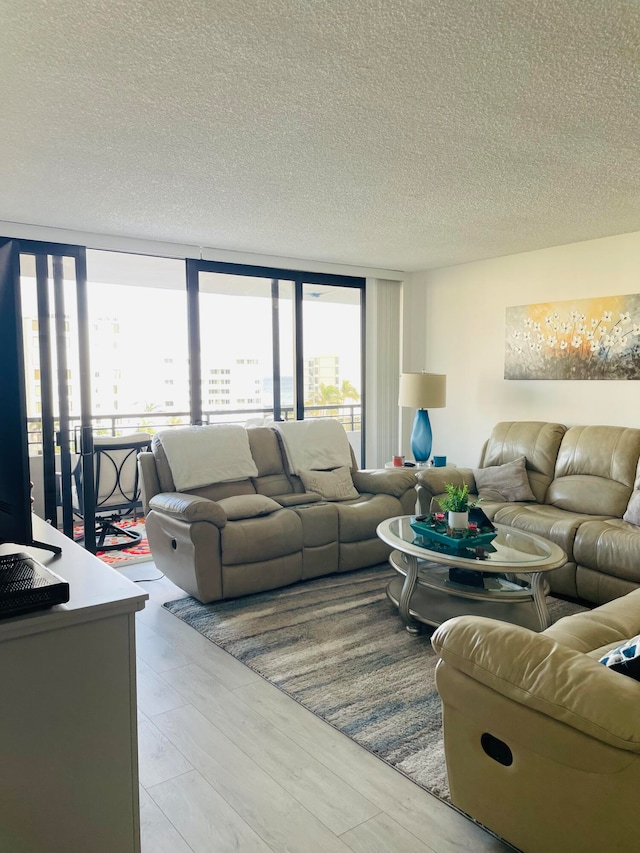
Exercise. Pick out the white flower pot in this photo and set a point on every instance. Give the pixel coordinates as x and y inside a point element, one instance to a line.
<point>458,520</point>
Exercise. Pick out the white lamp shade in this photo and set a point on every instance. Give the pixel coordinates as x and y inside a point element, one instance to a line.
<point>423,390</point>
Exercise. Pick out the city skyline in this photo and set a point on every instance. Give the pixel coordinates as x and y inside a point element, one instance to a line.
<point>139,351</point>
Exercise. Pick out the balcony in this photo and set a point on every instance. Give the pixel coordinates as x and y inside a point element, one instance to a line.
<point>349,415</point>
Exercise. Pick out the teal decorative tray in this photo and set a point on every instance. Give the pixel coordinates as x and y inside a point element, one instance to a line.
<point>435,534</point>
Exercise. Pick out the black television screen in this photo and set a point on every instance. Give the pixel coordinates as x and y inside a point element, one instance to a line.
<point>15,490</point>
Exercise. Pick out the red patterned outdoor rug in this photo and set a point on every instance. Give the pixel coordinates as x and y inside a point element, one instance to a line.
<point>138,553</point>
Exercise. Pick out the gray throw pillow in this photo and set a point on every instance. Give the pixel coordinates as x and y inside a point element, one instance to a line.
<point>335,485</point>
<point>508,482</point>
<point>632,514</point>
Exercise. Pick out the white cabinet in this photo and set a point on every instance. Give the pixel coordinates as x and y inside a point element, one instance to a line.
<point>68,748</point>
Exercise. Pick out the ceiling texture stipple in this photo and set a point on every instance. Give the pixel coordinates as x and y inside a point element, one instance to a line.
<point>400,134</point>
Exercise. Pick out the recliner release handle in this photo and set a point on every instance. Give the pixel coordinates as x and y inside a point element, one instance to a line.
<point>496,749</point>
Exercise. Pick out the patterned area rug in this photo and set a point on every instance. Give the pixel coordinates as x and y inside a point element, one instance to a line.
<point>126,556</point>
<point>337,646</point>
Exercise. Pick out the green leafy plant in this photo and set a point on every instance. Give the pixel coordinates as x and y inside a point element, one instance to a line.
<point>457,499</point>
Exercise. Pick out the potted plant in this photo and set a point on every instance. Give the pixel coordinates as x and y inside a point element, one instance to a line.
<point>456,504</point>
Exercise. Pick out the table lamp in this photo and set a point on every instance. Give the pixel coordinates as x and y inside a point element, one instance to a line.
<point>422,391</point>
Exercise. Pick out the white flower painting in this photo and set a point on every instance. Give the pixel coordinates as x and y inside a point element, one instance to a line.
<point>578,339</point>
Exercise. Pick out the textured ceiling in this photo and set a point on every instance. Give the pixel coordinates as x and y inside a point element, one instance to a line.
<point>402,134</point>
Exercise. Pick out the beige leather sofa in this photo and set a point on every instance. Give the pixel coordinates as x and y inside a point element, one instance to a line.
<point>542,741</point>
<point>227,539</point>
<point>584,479</point>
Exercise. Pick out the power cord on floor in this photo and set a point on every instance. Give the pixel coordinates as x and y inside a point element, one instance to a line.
<point>148,580</point>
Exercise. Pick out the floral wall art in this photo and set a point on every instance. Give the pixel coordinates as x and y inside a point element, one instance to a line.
<point>578,339</point>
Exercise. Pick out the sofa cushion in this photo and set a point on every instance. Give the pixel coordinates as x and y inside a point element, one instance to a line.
<point>298,499</point>
<point>390,481</point>
<point>335,485</point>
<point>266,450</point>
<point>550,522</point>
<point>358,519</point>
<point>537,441</point>
<point>632,512</point>
<point>508,482</point>
<point>625,659</point>
<point>595,470</point>
<point>247,506</point>
<point>609,546</point>
<point>319,524</point>
<point>255,540</point>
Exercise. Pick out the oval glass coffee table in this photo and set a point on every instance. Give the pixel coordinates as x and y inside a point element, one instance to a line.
<point>506,583</point>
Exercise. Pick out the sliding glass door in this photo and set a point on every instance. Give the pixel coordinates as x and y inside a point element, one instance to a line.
<point>276,344</point>
<point>106,354</point>
<point>332,356</point>
<point>245,340</point>
<point>138,342</point>
<point>116,343</point>
<point>57,377</point>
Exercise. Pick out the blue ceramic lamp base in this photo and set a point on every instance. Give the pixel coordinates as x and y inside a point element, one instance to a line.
<point>421,437</point>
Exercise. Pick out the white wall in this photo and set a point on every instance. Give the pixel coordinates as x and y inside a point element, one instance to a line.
<point>464,333</point>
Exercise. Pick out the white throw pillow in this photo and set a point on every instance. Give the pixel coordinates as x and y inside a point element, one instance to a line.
<point>632,513</point>
<point>508,482</point>
<point>335,485</point>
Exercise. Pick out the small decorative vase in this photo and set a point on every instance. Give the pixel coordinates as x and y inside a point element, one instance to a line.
<point>458,520</point>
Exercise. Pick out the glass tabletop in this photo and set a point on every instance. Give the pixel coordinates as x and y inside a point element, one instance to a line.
<point>511,549</point>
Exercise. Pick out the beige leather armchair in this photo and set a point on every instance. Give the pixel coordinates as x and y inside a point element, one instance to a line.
<point>542,741</point>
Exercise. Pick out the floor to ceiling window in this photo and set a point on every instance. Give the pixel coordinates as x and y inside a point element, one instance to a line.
<point>246,337</point>
<point>277,344</point>
<point>133,342</point>
<point>107,349</point>
<point>138,341</point>
<point>332,353</point>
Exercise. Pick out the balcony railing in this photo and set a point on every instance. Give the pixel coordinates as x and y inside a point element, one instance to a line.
<point>350,415</point>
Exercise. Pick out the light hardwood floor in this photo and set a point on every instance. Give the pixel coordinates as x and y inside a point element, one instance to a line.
<point>229,763</point>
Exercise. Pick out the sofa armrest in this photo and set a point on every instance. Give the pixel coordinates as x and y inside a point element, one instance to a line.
<point>431,483</point>
<point>600,629</point>
<point>387,482</point>
<point>552,679</point>
<point>188,508</point>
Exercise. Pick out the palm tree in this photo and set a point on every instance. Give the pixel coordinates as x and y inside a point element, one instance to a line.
<point>328,395</point>
<point>325,395</point>
<point>144,423</point>
<point>348,392</point>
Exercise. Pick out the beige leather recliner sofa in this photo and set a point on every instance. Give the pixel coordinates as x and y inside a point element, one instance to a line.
<point>542,741</point>
<point>584,480</point>
<point>259,528</point>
